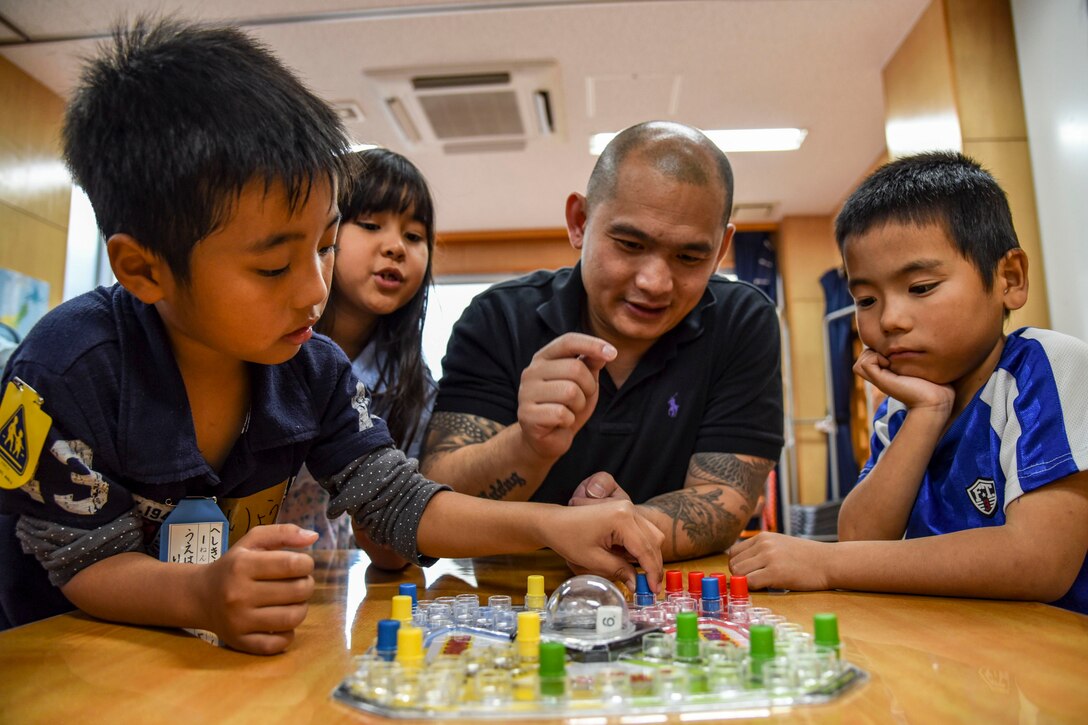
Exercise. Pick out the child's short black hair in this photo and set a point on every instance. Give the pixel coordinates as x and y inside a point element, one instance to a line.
<point>945,188</point>
<point>173,119</point>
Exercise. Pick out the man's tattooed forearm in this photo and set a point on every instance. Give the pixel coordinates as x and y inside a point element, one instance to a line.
<point>499,489</point>
<point>746,475</point>
<point>702,517</point>
<point>450,431</point>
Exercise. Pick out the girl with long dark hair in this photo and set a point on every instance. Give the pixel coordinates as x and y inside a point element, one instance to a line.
<point>380,285</point>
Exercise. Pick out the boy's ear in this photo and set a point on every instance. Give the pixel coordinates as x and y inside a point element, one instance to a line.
<point>1012,279</point>
<point>137,268</point>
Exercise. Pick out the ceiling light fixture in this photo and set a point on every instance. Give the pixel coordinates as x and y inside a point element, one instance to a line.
<point>908,136</point>
<point>732,140</point>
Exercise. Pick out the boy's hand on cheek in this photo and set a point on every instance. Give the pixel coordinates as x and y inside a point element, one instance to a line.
<point>915,393</point>
<point>256,594</point>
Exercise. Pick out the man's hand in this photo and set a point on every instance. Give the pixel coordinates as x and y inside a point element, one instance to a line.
<point>598,488</point>
<point>606,539</point>
<point>256,594</point>
<point>559,391</point>
<point>782,562</point>
<point>915,393</point>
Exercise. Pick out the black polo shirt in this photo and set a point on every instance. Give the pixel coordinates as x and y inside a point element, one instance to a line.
<point>711,384</point>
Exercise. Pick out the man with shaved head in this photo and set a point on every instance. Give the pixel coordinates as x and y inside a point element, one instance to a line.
<point>638,373</point>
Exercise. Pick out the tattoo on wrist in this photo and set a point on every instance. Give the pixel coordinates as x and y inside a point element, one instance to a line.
<point>702,517</point>
<point>450,431</point>
<point>500,488</point>
<point>726,469</point>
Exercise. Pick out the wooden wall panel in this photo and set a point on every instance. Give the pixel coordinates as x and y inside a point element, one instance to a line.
<point>987,75</point>
<point>994,131</point>
<point>806,249</point>
<point>919,87</point>
<point>33,247</point>
<point>509,252</point>
<point>1009,162</point>
<point>35,191</point>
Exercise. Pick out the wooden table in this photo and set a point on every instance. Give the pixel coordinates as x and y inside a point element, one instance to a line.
<point>929,659</point>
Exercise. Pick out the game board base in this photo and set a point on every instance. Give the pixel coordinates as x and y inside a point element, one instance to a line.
<point>618,708</point>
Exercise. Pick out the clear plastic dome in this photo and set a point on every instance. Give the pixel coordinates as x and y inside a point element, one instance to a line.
<point>587,607</point>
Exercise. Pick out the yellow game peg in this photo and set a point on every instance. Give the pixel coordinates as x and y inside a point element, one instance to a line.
<point>534,595</point>
<point>402,608</point>
<point>528,636</point>
<point>410,646</point>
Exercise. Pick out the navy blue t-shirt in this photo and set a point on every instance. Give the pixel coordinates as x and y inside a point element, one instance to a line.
<point>122,435</point>
<point>711,384</point>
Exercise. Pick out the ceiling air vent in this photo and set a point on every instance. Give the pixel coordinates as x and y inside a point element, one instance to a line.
<point>472,110</point>
<point>348,111</point>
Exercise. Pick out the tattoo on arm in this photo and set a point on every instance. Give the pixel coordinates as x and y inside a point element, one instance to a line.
<point>708,525</point>
<point>745,474</point>
<point>700,514</point>
<point>450,431</point>
<point>500,488</point>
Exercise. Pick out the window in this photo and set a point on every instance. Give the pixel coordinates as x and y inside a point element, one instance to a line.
<point>448,300</point>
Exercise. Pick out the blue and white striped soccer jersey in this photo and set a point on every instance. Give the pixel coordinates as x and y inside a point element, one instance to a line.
<point>1025,428</point>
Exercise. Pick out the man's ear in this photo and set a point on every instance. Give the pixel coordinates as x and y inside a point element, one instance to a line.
<point>137,268</point>
<point>1012,278</point>
<point>576,220</point>
<point>727,239</point>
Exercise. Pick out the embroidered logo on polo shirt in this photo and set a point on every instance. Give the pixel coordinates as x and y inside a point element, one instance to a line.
<point>983,495</point>
<point>674,407</point>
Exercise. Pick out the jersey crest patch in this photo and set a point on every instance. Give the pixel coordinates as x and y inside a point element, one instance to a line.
<point>983,495</point>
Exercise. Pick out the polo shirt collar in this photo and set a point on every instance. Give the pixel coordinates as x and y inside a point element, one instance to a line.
<point>157,440</point>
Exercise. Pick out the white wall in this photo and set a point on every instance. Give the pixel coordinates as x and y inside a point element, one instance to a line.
<point>1052,45</point>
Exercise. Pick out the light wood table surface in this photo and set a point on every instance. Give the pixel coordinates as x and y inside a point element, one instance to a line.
<point>929,659</point>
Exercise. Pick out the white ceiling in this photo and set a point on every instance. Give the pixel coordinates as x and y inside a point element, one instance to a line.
<point>814,64</point>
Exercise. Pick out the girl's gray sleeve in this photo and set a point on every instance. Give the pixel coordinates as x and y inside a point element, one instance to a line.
<point>385,494</point>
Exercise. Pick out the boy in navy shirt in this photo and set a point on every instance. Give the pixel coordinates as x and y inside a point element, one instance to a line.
<point>977,482</point>
<point>213,174</point>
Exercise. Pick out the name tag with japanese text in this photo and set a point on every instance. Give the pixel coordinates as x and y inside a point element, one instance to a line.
<point>195,532</point>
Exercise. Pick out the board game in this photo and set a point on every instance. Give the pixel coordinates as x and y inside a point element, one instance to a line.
<point>587,651</point>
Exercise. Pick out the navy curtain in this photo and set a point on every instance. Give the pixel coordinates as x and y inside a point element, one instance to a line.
<point>754,261</point>
<point>836,297</point>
